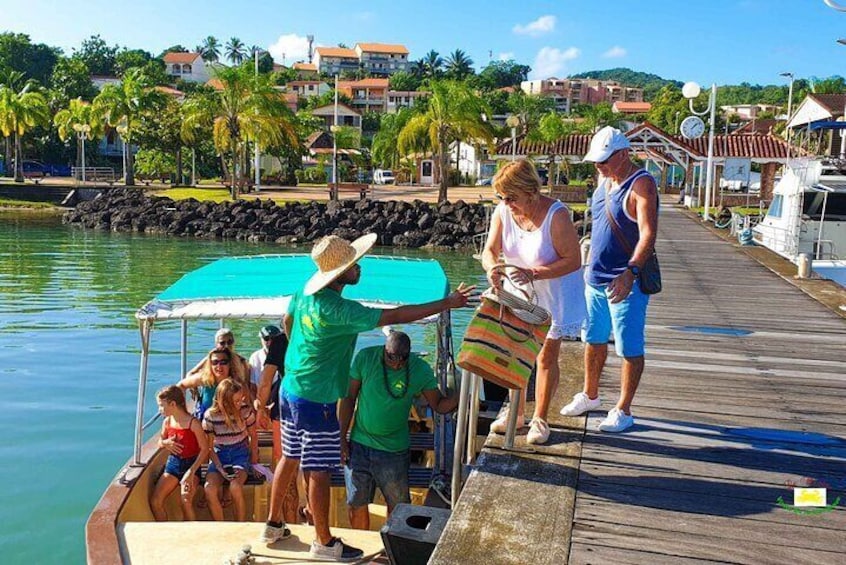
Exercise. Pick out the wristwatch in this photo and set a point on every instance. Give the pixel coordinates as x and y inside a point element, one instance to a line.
<point>635,270</point>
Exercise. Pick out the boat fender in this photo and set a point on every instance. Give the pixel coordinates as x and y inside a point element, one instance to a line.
<point>745,237</point>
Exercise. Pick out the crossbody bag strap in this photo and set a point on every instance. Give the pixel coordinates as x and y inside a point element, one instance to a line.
<point>615,227</point>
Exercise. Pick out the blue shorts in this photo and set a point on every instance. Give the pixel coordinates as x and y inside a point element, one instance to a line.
<point>177,466</point>
<point>237,456</point>
<point>627,319</point>
<point>369,468</point>
<point>310,433</point>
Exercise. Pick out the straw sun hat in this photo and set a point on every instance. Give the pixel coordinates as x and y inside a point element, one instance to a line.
<point>333,256</point>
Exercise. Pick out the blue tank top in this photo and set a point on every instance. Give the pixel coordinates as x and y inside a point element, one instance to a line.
<point>608,257</point>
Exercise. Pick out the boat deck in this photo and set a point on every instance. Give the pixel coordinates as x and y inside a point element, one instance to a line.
<point>725,419</point>
<point>215,542</point>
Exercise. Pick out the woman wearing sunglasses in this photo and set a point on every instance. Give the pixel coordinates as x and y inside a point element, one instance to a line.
<point>240,369</point>
<point>216,367</point>
<point>534,232</point>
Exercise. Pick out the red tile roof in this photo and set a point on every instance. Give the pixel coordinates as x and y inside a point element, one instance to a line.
<point>382,48</point>
<point>337,52</point>
<point>171,91</point>
<point>756,126</point>
<point>834,103</point>
<point>364,83</point>
<point>632,107</point>
<point>181,58</point>
<point>305,67</point>
<point>754,146</point>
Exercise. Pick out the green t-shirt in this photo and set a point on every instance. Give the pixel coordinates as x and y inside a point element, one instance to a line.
<point>381,421</point>
<point>323,336</point>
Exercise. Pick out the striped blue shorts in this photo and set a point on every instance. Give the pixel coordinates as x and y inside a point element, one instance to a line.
<point>310,433</point>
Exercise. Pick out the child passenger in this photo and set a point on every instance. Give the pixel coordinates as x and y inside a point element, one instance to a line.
<point>182,435</point>
<point>231,424</point>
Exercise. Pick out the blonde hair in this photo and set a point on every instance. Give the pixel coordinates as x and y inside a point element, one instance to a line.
<point>207,374</point>
<point>224,402</point>
<point>518,177</point>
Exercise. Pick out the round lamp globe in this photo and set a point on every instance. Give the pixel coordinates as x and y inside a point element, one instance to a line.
<point>691,90</point>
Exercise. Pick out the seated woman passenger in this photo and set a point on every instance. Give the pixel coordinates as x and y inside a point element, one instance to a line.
<point>240,367</point>
<point>216,367</point>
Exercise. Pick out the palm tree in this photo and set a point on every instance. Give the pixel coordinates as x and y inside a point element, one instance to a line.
<point>210,49</point>
<point>458,65</point>
<point>20,111</point>
<point>124,104</point>
<point>551,129</point>
<point>454,113</point>
<point>235,51</point>
<point>418,68</point>
<point>384,148</point>
<point>433,62</point>
<point>71,122</point>
<point>247,110</point>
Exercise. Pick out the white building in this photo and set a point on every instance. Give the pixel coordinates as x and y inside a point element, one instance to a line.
<point>187,66</point>
<point>403,99</point>
<point>381,59</point>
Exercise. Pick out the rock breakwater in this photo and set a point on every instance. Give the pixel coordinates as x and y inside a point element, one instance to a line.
<point>402,224</point>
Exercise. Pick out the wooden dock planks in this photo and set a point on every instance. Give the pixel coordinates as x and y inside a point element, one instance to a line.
<point>723,423</point>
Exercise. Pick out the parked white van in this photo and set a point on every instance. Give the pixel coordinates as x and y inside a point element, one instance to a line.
<point>383,176</point>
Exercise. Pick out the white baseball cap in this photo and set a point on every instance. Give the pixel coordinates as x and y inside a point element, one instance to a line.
<point>604,143</point>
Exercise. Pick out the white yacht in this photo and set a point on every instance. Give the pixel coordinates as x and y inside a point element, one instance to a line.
<point>808,216</point>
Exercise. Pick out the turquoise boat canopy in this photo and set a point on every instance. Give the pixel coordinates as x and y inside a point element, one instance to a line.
<point>261,286</point>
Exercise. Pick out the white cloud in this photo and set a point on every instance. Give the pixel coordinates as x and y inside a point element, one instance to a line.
<point>291,48</point>
<point>551,61</point>
<point>615,52</point>
<point>506,56</point>
<point>540,26</point>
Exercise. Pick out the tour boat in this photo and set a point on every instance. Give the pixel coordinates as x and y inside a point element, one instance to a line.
<point>807,217</point>
<point>121,528</point>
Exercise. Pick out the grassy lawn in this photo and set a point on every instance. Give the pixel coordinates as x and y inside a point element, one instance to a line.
<point>202,194</point>
<point>10,203</point>
<point>742,210</point>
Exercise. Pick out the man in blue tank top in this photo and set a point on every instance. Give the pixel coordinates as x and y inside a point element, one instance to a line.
<point>615,302</point>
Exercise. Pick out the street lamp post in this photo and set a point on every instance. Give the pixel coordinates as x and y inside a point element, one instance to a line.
<point>122,130</point>
<point>256,157</point>
<point>690,91</point>
<point>82,131</point>
<point>513,121</point>
<point>789,108</point>
<point>334,130</point>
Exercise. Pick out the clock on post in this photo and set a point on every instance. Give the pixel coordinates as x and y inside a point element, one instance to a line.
<point>692,127</point>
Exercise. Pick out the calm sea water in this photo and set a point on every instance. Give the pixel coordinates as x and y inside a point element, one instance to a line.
<point>69,351</point>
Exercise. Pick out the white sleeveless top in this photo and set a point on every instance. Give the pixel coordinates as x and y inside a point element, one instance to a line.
<point>564,297</point>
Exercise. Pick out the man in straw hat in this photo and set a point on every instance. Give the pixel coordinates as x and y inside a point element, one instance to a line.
<point>615,302</point>
<point>323,327</point>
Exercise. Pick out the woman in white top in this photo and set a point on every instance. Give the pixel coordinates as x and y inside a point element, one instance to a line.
<point>535,232</point>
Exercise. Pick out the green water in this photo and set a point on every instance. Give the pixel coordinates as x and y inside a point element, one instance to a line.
<point>69,365</point>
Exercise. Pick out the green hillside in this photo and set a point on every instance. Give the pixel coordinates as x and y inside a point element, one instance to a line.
<point>649,82</point>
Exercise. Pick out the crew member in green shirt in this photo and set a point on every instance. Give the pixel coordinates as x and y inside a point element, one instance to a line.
<point>323,327</point>
<point>385,381</point>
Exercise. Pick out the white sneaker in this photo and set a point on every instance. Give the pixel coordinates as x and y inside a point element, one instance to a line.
<point>337,550</point>
<point>580,404</point>
<point>499,425</point>
<point>616,421</point>
<point>538,432</point>
<point>273,534</point>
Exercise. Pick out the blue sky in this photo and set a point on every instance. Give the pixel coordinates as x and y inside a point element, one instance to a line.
<point>722,41</point>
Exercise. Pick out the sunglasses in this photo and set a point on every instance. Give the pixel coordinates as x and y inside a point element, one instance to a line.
<point>229,341</point>
<point>395,357</point>
<point>506,199</point>
<point>218,362</point>
<point>606,160</point>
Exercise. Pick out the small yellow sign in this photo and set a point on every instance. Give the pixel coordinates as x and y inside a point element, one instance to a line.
<point>809,497</point>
